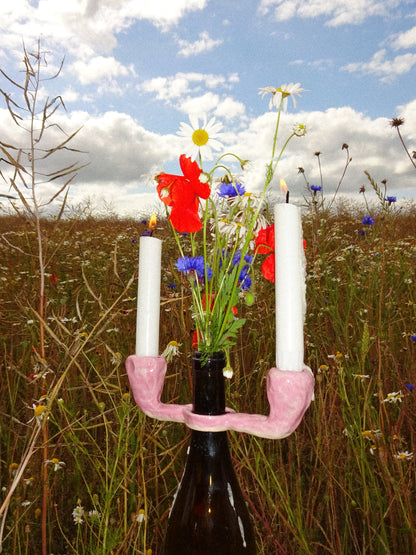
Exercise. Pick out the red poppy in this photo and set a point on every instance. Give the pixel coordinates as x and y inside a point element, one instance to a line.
<point>265,245</point>
<point>182,194</point>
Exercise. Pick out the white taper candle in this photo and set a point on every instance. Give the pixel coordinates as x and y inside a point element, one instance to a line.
<point>290,287</point>
<point>148,297</point>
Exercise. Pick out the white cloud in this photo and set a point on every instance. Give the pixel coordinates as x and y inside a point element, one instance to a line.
<point>407,39</point>
<point>188,91</point>
<point>337,13</point>
<point>209,103</point>
<point>228,109</point>
<point>83,28</point>
<point>202,104</point>
<point>99,68</point>
<point>204,44</point>
<point>386,69</point>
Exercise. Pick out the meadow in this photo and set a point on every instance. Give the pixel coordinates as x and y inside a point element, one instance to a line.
<point>83,471</point>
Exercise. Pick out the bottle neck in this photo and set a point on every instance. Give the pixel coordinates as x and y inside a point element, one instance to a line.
<point>208,384</point>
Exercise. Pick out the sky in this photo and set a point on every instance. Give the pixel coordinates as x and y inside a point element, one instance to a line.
<point>135,69</point>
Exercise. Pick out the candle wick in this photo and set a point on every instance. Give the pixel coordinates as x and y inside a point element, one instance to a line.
<point>287,197</point>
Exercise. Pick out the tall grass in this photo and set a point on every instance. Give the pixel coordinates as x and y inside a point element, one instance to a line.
<point>343,483</point>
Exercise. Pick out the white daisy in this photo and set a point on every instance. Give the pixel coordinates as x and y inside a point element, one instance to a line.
<point>56,463</point>
<point>77,514</point>
<point>172,350</point>
<point>404,456</point>
<point>203,138</point>
<point>283,92</point>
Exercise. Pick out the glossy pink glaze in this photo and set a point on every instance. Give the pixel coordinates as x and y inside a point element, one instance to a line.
<point>289,394</point>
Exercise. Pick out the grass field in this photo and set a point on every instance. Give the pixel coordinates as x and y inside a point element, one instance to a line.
<point>90,474</point>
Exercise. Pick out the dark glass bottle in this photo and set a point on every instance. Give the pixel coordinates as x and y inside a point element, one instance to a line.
<point>209,513</point>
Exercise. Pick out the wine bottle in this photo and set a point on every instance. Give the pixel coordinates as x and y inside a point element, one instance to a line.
<point>209,514</point>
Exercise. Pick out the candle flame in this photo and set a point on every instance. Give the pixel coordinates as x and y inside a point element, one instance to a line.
<point>152,222</point>
<point>283,187</point>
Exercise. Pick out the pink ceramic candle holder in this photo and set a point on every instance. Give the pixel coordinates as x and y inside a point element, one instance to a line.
<point>289,395</point>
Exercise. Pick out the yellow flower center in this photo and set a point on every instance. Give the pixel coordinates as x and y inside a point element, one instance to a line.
<point>39,410</point>
<point>200,137</point>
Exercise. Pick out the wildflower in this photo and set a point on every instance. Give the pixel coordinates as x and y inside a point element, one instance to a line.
<point>201,137</point>
<point>281,94</point>
<point>193,265</point>
<point>116,359</point>
<point>77,514</point>
<point>38,413</point>
<point>172,350</point>
<point>391,199</point>
<point>13,468</point>
<point>368,220</point>
<point>25,503</point>
<point>140,516</point>
<point>182,194</point>
<point>57,464</point>
<point>316,188</point>
<point>371,434</point>
<point>228,372</point>
<point>231,190</point>
<point>299,130</point>
<point>394,397</point>
<point>265,245</point>
<point>410,386</point>
<point>244,280</point>
<point>413,336</point>
<point>397,122</point>
<point>404,456</point>
<point>94,514</point>
<point>362,377</point>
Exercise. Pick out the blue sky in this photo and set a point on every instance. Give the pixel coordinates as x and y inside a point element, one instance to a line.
<point>135,69</point>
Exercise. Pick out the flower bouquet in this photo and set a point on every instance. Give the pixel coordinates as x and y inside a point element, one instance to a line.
<point>226,224</point>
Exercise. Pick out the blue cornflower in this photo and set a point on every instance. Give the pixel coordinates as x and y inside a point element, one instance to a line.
<point>368,220</point>
<point>147,233</point>
<point>316,188</point>
<point>133,240</point>
<point>247,258</point>
<point>410,386</point>
<point>361,232</point>
<point>188,264</point>
<point>244,280</point>
<point>391,199</point>
<point>231,190</point>
<point>413,337</point>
